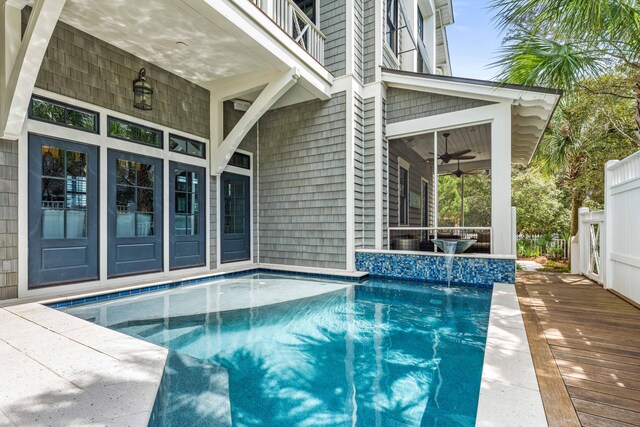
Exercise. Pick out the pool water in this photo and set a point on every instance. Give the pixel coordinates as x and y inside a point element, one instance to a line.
<point>379,353</point>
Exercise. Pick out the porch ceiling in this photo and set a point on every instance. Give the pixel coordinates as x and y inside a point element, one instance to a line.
<point>203,41</point>
<point>172,35</point>
<point>531,108</point>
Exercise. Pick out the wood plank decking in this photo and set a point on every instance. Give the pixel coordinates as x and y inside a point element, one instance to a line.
<point>585,344</point>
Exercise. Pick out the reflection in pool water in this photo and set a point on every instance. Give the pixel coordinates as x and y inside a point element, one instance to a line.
<point>377,354</point>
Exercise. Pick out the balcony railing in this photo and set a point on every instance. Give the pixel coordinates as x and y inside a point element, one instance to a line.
<point>296,24</point>
<point>421,238</point>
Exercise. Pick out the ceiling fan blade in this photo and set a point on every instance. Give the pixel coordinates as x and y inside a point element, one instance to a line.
<point>465,157</point>
<point>460,153</point>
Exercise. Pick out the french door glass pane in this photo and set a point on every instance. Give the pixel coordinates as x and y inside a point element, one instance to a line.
<point>63,197</point>
<point>186,202</point>
<point>134,199</point>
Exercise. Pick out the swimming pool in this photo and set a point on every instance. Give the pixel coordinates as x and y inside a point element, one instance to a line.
<point>271,350</point>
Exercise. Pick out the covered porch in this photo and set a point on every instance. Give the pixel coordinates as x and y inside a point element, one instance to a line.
<point>451,145</point>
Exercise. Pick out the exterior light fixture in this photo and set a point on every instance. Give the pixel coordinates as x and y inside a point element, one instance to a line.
<point>142,92</point>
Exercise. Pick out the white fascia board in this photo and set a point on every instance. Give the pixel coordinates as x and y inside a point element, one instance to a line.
<point>267,33</point>
<point>463,118</point>
<point>468,90</point>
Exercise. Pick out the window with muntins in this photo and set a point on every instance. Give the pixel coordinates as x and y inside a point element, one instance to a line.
<point>308,7</point>
<point>134,199</point>
<point>64,194</point>
<point>392,25</point>
<point>186,203</point>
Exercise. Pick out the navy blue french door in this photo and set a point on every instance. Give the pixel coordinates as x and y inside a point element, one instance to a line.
<point>134,217</point>
<point>235,219</point>
<point>63,211</point>
<point>187,218</point>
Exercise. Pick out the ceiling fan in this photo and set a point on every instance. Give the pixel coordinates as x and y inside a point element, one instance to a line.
<point>446,157</point>
<point>460,173</point>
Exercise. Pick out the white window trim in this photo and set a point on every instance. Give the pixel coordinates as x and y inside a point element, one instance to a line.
<point>104,143</point>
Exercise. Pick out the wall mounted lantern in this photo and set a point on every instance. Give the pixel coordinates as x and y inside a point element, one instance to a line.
<point>142,92</point>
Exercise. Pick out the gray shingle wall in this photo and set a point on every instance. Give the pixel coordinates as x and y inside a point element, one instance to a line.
<point>369,40</point>
<point>369,173</point>
<point>358,161</point>
<point>83,67</point>
<point>418,169</point>
<point>409,105</point>
<point>303,184</point>
<point>358,44</point>
<point>8,219</point>
<point>333,25</point>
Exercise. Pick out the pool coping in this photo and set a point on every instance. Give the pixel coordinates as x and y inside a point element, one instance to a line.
<point>509,388</point>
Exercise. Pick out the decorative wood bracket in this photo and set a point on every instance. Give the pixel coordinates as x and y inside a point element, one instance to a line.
<point>221,155</point>
<point>21,58</point>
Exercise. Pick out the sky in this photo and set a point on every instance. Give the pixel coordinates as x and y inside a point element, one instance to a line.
<point>474,42</point>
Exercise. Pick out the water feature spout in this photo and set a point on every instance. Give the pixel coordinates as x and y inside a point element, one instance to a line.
<point>449,251</point>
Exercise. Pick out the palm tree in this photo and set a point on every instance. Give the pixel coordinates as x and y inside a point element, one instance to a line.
<point>569,44</point>
<point>561,42</point>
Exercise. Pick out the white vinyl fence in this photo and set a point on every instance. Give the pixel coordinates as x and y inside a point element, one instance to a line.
<point>607,247</point>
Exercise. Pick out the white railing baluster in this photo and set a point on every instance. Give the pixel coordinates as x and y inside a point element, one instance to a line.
<point>288,16</point>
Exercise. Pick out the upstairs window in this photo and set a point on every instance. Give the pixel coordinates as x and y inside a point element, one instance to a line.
<point>392,25</point>
<point>309,8</point>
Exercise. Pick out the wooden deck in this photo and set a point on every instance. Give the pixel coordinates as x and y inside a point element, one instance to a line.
<point>585,344</point>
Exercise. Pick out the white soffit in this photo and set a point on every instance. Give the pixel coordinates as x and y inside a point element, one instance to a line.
<point>171,35</point>
<point>531,107</point>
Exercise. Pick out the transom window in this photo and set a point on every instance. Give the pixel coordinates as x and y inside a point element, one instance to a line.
<point>240,160</point>
<point>134,199</point>
<point>392,25</point>
<point>183,145</point>
<point>186,205</point>
<point>64,194</point>
<point>122,129</point>
<point>62,114</point>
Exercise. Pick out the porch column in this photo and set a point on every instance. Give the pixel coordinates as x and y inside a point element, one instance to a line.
<point>501,181</point>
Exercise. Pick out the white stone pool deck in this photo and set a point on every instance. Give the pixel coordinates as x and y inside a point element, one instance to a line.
<point>60,370</point>
<point>57,369</point>
<point>509,393</point>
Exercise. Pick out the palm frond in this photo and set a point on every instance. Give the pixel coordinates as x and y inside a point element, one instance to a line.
<point>530,59</point>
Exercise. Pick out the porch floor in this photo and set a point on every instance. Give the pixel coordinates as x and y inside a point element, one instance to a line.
<point>585,347</point>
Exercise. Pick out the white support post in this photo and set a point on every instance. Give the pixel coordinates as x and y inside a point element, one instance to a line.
<point>501,180</point>
<point>435,179</point>
<point>514,231</point>
<point>378,175</point>
<point>20,67</point>
<point>221,153</point>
